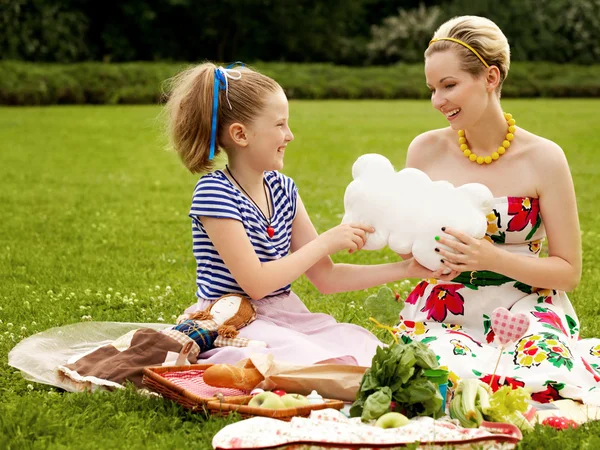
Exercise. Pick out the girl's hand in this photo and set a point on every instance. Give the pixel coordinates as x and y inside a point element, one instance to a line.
<point>346,236</point>
<point>416,270</point>
<point>469,253</point>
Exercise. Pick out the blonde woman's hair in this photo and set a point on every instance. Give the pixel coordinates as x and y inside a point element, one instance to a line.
<point>189,110</point>
<point>480,33</point>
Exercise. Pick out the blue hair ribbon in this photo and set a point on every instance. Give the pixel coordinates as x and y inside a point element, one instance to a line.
<point>221,84</point>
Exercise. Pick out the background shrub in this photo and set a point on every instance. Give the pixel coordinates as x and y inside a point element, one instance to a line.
<point>24,83</point>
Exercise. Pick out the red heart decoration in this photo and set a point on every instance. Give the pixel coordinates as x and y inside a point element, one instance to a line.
<point>508,326</point>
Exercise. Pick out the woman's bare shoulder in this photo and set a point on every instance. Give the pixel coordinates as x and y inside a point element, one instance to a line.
<point>543,152</point>
<point>426,145</point>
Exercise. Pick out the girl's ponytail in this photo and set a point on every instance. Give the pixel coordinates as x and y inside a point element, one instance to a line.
<point>190,106</point>
<point>189,110</point>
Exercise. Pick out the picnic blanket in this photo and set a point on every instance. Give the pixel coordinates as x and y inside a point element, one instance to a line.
<point>328,428</point>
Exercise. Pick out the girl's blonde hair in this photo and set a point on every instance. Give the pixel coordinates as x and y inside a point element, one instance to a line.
<point>189,109</point>
<point>480,33</point>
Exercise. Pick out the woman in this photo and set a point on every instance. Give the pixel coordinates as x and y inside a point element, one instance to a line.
<point>465,65</point>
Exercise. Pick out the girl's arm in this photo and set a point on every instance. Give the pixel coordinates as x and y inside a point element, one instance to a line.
<point>259,279</point>
<point>330,278</point>
<point>561,270</point>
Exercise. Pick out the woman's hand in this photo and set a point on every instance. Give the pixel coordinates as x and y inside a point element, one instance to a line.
<point>468,253</point>
<point>416,270</point>
<point>345,236</point>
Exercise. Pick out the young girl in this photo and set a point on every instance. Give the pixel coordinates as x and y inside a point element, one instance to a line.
<point>465,65</point>
<point>251,232</point>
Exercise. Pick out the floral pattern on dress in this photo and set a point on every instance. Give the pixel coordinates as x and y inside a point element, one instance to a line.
<point>544,295</point>
<point>525,211</point>
<point>460,349</point>
<point>451,326</point>
<point>591,370</point>
<point>417,293</point>
<point>534,349</point>
<point>573,326</point>
<point>551,361</point>
<point>444,298</point>
<point>493,381</point>
<point>550,394</point>
<point>463,335</point>
<point>410,328</point>
<point>408,331</point>
<point>549,318</point>
<point>490,335</point>
<point>493,233</point>
<point>535,246</point>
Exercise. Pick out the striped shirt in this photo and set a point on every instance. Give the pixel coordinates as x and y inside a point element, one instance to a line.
<point>216,196</point>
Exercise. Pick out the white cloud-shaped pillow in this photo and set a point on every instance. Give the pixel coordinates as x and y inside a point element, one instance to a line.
<point>407,209</point>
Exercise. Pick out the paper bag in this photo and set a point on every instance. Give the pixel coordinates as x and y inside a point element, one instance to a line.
<point>333,381</point>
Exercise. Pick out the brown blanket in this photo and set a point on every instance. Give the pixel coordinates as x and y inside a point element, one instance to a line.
<point>109,366</point>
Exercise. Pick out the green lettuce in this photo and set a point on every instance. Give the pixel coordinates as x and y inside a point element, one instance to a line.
<point>406,374</point>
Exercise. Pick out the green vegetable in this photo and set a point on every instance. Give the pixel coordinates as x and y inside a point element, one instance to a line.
<point>377,404</point>
<point>456,411</point>
<point>472,403</point>
<point>483,396</point>
<point>408,375</point>
<point>508,405</point>
<point>466,404</point>
<point>469,395</point>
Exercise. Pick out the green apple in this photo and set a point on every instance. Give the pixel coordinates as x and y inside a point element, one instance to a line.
<point>294,400</point>
<point>392,420</point>
<point>267,400</point>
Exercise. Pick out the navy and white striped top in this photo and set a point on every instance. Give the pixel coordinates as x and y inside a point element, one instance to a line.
<point>216,196</point>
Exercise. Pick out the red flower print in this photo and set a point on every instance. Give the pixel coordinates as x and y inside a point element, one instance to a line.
<point>417,293</point>
<point>530,349</point>
<point>525,211</point>
<point>549,318</point>
<point>548,395</point>
<point>487,329</point>
<point>591,370</point>
<point>444,298</point>
<point>508,381</point>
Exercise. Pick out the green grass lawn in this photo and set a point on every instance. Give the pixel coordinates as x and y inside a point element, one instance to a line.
<point>94,226</point>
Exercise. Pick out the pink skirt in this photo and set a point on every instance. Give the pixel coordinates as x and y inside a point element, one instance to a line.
<point>296,335</point>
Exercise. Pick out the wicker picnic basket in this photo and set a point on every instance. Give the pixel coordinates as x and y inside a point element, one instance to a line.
<point>154,379</point>
<point>220,405</point>
<point>223,407</point>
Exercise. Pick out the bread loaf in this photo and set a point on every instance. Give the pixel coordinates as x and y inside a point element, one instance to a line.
<point>228,376</point>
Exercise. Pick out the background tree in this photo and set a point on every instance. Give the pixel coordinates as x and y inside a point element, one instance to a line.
<point>351,32</point>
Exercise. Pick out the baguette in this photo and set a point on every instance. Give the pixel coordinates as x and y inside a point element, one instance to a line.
<point>228,376</point>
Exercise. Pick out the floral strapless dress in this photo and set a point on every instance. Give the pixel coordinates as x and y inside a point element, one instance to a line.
<point>453,318</point>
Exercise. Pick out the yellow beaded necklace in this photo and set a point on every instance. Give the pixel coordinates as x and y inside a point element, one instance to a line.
<point>462,141</point>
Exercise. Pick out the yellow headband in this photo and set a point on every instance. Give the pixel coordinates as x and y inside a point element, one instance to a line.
<point>464,44</point>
